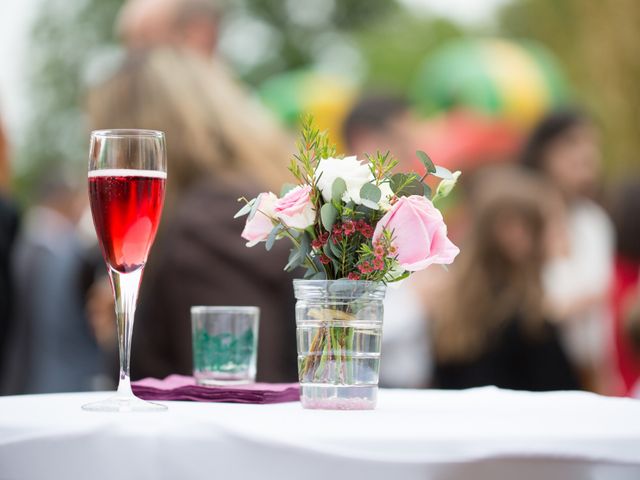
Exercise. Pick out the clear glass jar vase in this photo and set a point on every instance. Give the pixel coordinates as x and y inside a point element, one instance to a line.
<point>339,334</point>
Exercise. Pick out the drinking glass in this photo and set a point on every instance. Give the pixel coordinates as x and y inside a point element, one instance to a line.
<point>127,176</point>
<point>225,344</point>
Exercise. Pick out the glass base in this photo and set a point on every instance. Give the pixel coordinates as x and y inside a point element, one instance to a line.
<point>338,397</point>
<point>123,404</point>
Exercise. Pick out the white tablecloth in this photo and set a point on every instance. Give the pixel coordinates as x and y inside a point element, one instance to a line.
<point>475,434</point>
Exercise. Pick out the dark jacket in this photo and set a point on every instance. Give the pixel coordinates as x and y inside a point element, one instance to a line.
<point>51,347</point>
<point>8,230</point>
<point>200,259</point>
<point>513,359</point>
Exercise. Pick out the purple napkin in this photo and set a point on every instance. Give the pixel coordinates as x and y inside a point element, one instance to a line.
<point>179,387</point>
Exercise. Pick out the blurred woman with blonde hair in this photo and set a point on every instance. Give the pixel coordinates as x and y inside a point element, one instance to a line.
<point>491,325</point>
<point>212,127</point>
<point>220,146</point>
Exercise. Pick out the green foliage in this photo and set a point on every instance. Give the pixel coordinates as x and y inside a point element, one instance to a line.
<point>296,47</point>
<point>426,161</point>
<point>66,37</point>
<point>328,215</point>
<point>395,45</point>
<point>246,208</point>
<point>338,189</point>
<point>312,146</point>
<point>370,195</point>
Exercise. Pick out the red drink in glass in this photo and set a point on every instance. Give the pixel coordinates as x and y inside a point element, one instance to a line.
<point>126,207</point>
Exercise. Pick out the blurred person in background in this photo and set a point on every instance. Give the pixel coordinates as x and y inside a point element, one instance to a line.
<point>8,230</point>
<point>217,152</point>
<point>385,123</point>
<point>490,323</point>
<point>51,347</point>
<point>625,298</point>
<point>189,24</point>
<point>564,148</point>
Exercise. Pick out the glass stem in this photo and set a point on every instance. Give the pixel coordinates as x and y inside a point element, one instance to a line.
<point>125,290</point>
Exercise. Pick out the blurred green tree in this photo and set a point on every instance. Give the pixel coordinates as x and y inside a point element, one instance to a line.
<point>597,40</point>
<point>408,39</point>
<point>300,29</point>
<point>66,36</point>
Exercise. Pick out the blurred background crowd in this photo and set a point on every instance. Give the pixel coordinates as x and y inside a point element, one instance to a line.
<point>536,101</point>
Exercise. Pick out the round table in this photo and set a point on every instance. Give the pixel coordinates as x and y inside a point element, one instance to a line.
<point>479,433</point>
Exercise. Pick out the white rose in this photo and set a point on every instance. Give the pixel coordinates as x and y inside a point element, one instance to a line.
<point>354,172</point>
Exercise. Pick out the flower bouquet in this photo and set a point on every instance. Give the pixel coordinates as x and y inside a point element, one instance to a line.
<point>355,226</point>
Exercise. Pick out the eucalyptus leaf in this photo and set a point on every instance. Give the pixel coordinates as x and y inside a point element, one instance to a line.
<point>273,236</point>
<point>338,189</point>
<point>396,182</point>
<point>370,204</point>
<point>370,192</point>
<point>336,250</point>
<point>246,208</point>
<point>328,215</point>
<point>312,274</point>
<point>416,187</point>
<point>305,244</point>
<point>400,182</point>
<point>426,191</point>
<point>295,259</point>
<point>254,208</point>
<point>426,161</point>
<point>443,173</point>
<point>364,210</point>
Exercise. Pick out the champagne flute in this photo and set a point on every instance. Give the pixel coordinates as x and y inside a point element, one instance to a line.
<point>127,176</point>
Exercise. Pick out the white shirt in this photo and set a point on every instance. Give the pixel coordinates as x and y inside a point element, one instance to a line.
<point>585,271</point>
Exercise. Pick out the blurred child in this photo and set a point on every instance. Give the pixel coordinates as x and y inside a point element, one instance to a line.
<point>564,148</point>
<point>491,326</point>
<point>382,123</point>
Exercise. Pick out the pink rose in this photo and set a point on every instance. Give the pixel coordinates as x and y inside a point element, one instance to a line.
<point>295,208</point>
<point>260,225</point>
<point>419,233</point>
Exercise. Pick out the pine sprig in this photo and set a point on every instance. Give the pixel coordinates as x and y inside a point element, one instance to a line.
<point>313,146</point>
<point>381,165</point>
